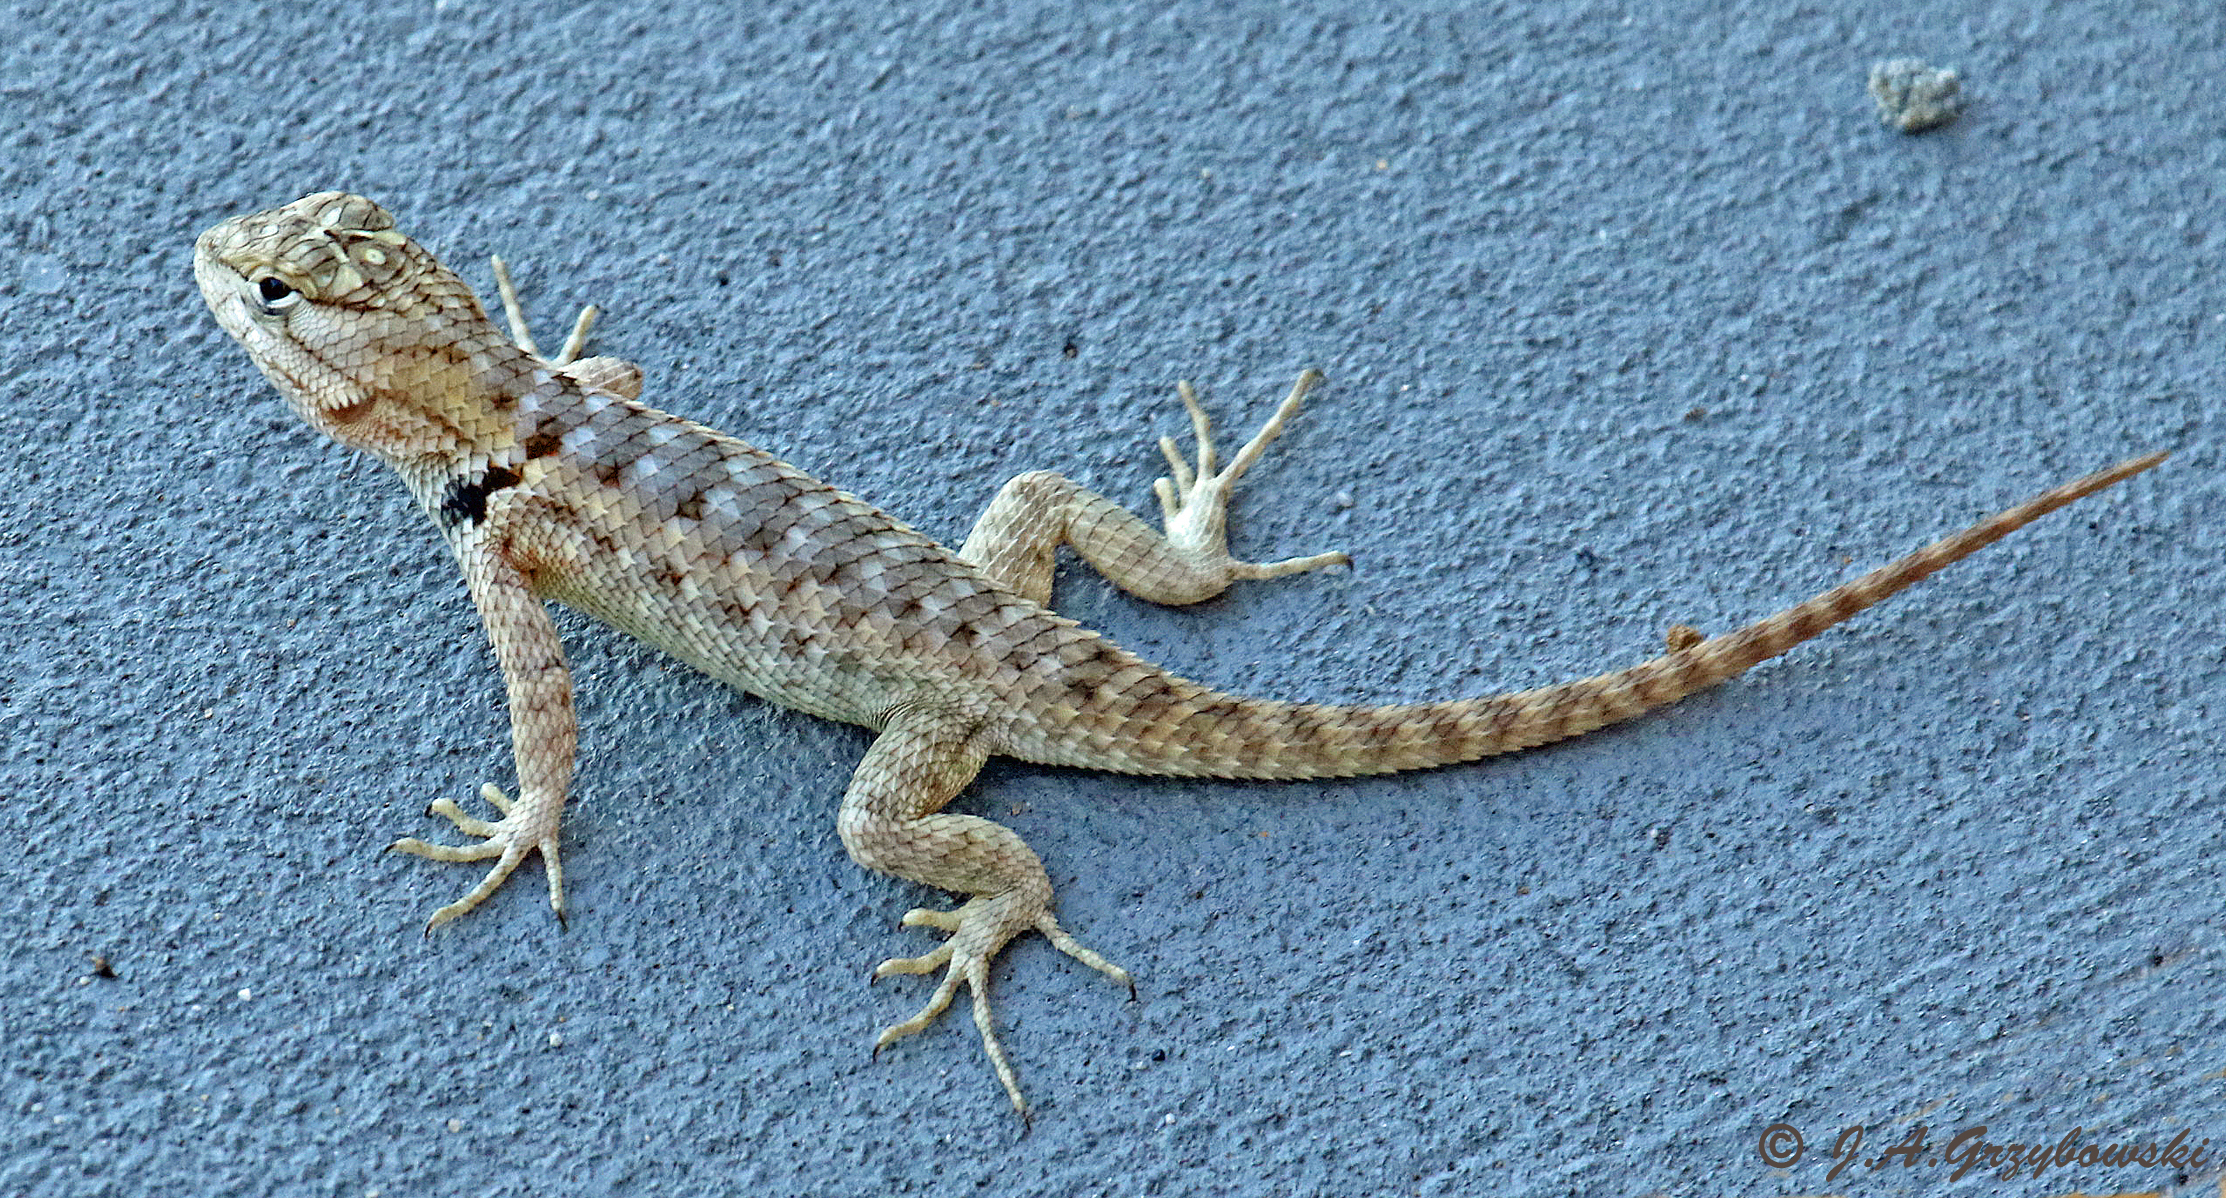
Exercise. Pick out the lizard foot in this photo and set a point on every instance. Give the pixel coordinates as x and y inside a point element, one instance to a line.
<point>522,829</point>
<point>1195,503</point>
<point>979,930</point>
<point>613,375</point>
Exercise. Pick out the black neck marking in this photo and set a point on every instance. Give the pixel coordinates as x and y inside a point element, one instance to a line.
<point>465,501</point>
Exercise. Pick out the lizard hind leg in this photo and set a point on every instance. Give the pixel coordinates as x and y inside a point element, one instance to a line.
<point>1195,503</point>
<point>1018,535</point>
<point>892,822</point>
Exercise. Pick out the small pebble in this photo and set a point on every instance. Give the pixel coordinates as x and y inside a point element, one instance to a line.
<point>1914,96</point>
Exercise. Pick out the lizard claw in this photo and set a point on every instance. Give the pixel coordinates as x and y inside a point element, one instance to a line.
<point>979,930</point>
<point>522,829</point>
<point>1195,503</point>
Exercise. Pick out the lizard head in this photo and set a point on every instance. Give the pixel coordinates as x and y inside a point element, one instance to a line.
<point>370,339</point>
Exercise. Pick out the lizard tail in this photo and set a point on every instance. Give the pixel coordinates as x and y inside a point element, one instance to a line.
<point>1191,730</point>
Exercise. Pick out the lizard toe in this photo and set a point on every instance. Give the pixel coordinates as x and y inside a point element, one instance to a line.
<point>524,828</point>
<point>1195,501</point>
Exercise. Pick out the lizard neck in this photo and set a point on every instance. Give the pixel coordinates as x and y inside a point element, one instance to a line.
<point>444,392</point>
<point>481,430</point>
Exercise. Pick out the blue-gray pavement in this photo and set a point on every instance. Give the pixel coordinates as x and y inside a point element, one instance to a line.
<point>1632,314</point>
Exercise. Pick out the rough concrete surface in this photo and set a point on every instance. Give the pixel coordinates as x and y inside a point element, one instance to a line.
<point>1632,315</point>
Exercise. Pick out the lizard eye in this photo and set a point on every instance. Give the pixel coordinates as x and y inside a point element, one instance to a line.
<point>276,293</point>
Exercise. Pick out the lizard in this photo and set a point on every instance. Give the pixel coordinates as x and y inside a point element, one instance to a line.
<point>551,480</point>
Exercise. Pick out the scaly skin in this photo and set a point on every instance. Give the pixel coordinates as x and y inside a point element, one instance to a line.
<point>551,480</point>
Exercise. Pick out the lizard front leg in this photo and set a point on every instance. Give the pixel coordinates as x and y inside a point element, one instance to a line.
<point>615,376</point>
<point>892,822</point>
<point>542,734</point>
<point>1018,535</point>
